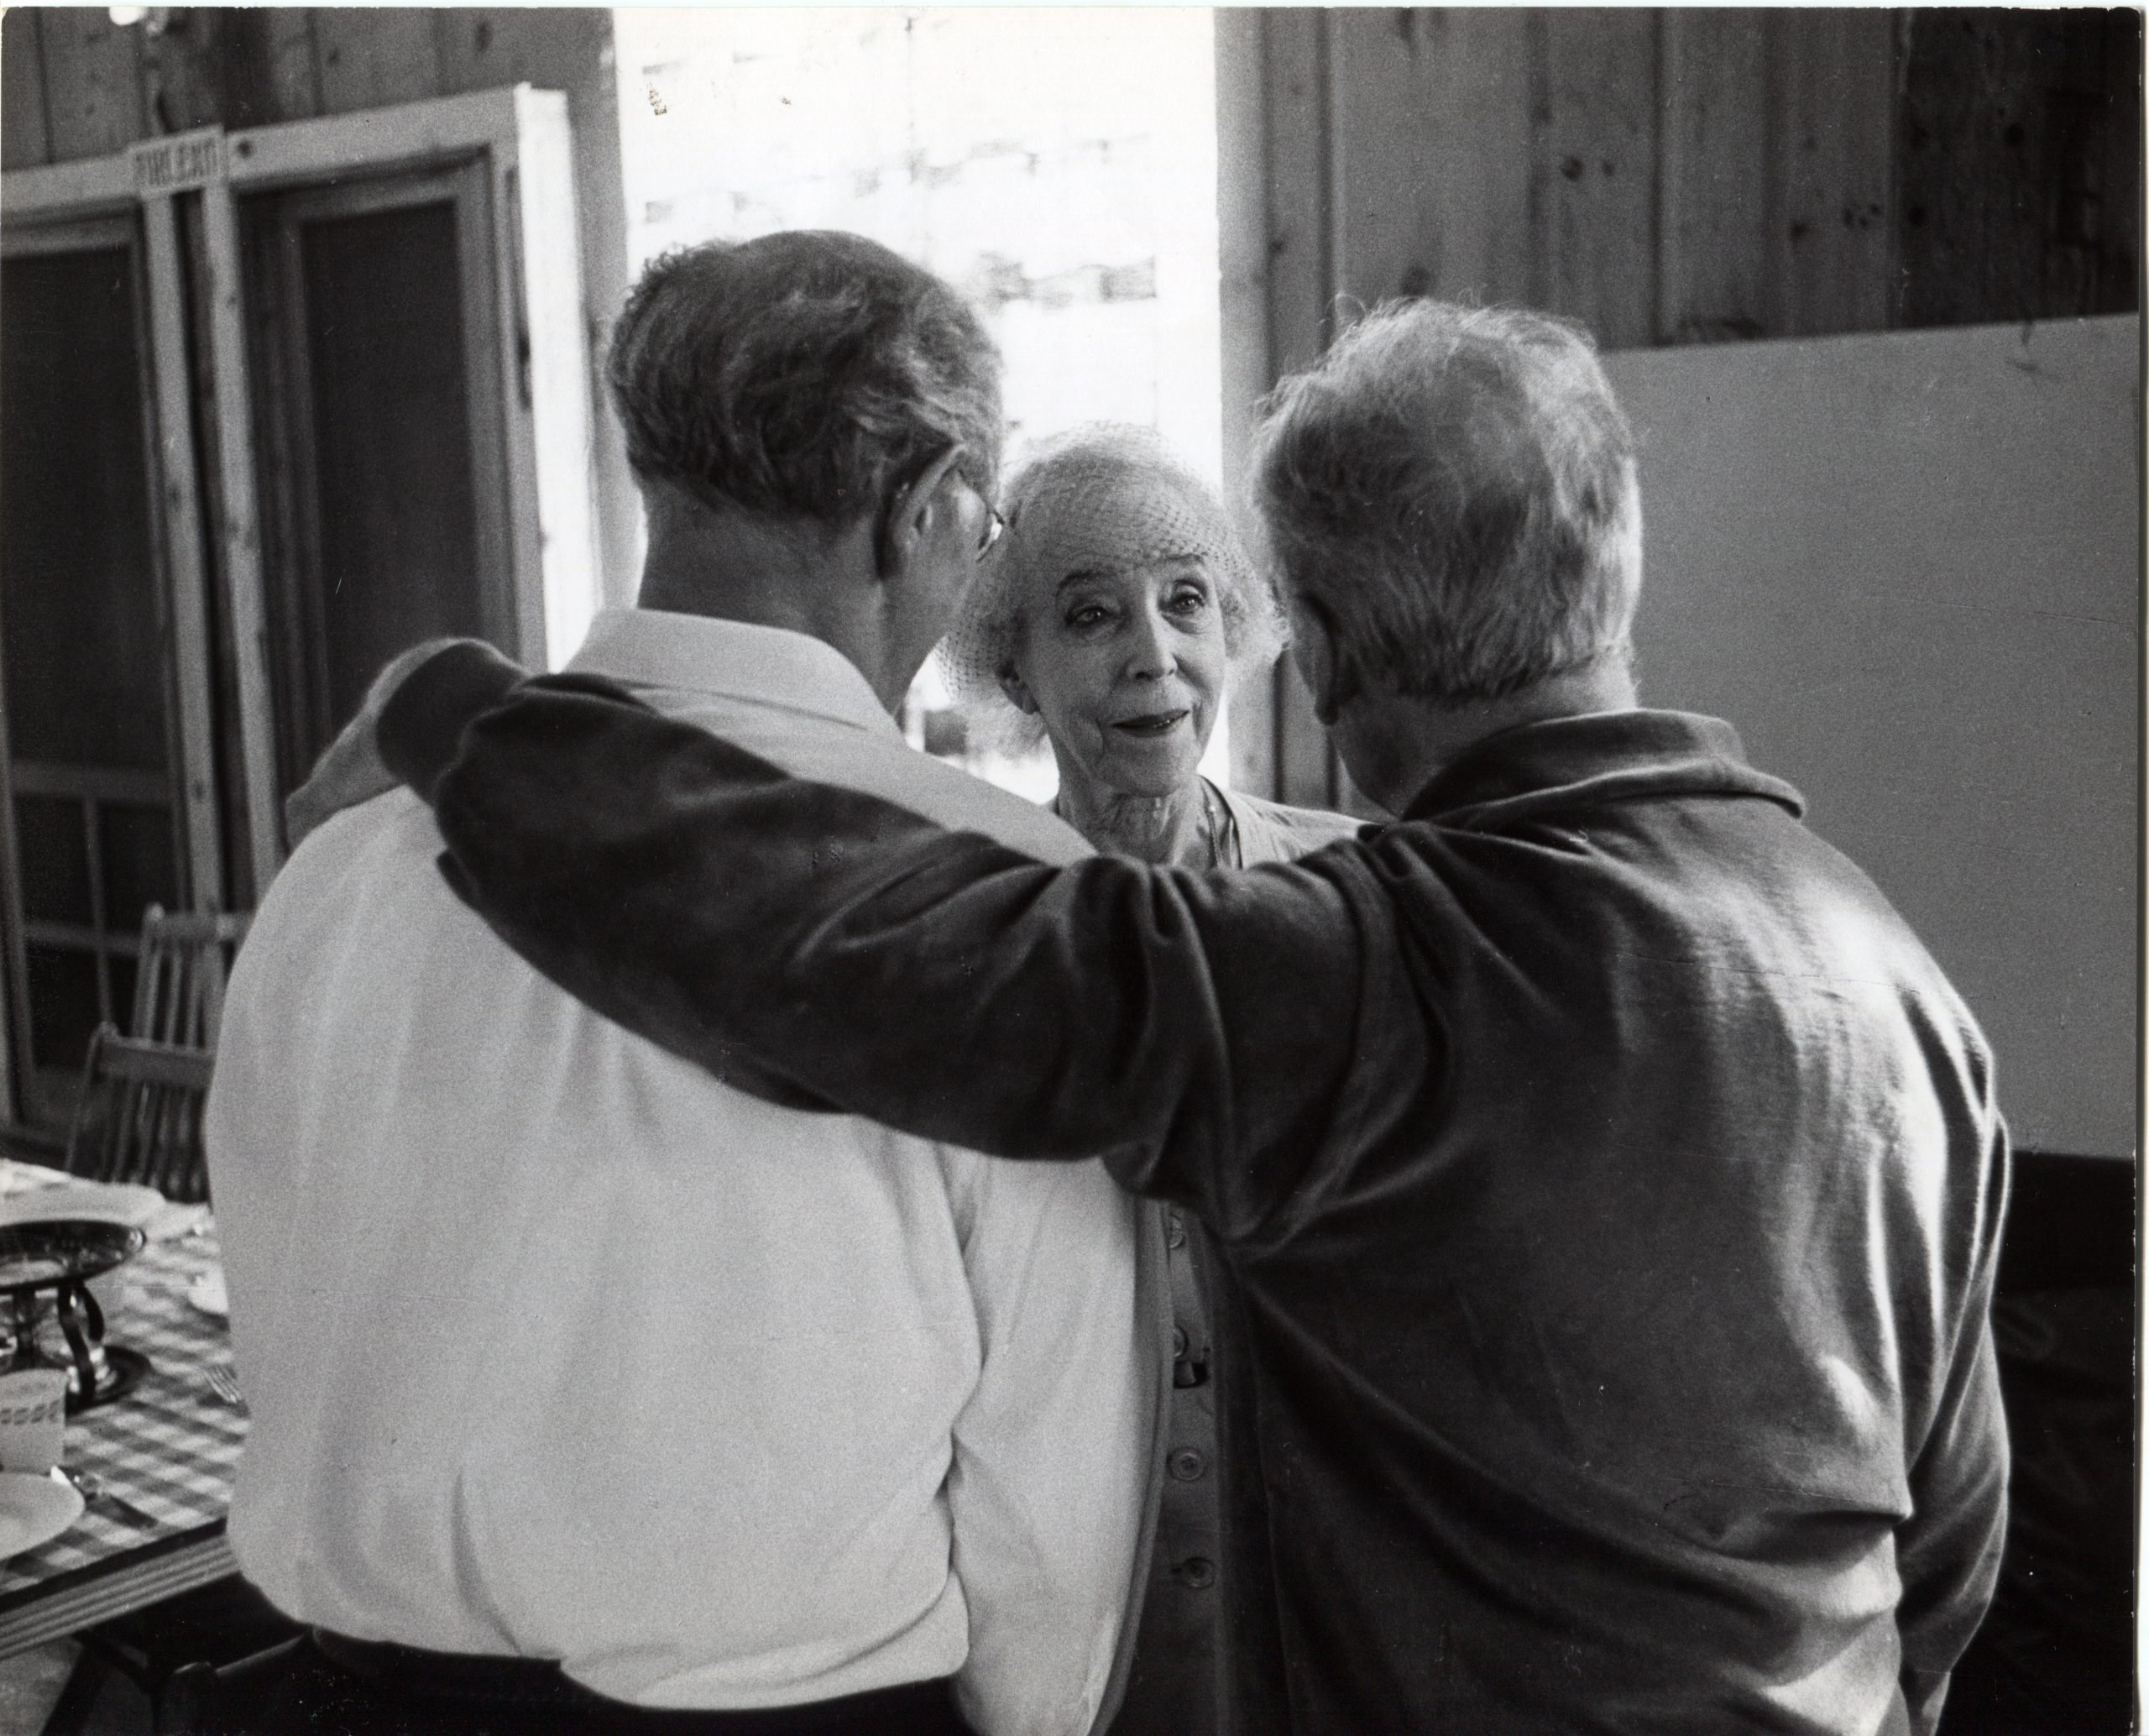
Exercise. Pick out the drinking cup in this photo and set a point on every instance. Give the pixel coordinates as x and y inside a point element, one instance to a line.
<point>32,1418</point>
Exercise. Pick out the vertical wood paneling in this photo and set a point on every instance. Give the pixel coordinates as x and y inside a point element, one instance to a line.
<point>1831,76</point>
<point>25,137</point>
<point>293,71</point>
<point>191,67</point>
<point>1717,210</point>
<point>553,48</point>
<point>1596,147</point>
<point>372,56</point>
<point>1301,288</point>
<point>2020,139</point>
<point>2107,212</point>
<point>1243,287</point>
<point>1300,275</point>
<point>1971,94</point>
<point>1434,135</point>
<point>1665,176</point>
<point>93,81</point>
<point>179,83</point>
<point>1242,235</point>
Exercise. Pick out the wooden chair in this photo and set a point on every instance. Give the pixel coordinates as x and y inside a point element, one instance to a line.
<point>139,1116</point>
<point>139,1119</point>
<point>179,986</point>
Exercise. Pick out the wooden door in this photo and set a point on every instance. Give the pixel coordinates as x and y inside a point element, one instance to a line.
<point>273,405</point>
<point>382,447</point>
<point>91,829</point>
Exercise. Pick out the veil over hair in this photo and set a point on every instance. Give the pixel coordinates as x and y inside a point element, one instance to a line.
<point>1103,498</point>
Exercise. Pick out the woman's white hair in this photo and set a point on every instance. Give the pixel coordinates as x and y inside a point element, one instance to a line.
<point>1104,498</point>
<point>1457,484</point>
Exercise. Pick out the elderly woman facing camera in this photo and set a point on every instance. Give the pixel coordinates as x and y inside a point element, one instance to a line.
<point>1109,622</point>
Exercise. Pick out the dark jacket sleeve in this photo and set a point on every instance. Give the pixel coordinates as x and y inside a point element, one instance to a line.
<point>421,724</point>
<point>1198,1030</point>
<point>1947,1553</point>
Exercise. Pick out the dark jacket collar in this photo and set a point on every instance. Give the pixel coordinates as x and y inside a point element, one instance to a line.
<point>1605,756</point>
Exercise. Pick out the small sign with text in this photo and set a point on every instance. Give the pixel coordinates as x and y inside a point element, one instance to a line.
<point>179,163</point>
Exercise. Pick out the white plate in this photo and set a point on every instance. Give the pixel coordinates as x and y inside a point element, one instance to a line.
<point>206,1293</point>
<point>34,1510</point>
<point>115,1202</point>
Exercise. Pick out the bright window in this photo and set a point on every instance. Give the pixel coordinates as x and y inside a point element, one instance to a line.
<point>1057,164</point>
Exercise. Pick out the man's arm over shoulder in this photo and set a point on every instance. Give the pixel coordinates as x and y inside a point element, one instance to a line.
<point>1200,1028</point>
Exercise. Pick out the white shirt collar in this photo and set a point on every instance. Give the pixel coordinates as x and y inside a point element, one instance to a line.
<point>764,665</point>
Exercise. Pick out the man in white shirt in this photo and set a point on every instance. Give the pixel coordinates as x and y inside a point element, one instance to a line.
<point>593,1390</point>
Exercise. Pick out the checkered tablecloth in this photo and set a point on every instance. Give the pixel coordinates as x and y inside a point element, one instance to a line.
<point>170,1447</point>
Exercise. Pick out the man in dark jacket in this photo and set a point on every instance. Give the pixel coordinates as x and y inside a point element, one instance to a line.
<point>1612,1181</point>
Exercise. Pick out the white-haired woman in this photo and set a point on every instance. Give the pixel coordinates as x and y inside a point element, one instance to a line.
<point>1109,621</point>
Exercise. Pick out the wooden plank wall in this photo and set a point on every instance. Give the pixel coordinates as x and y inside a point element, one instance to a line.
<point>73,84</point>
<point>2019,141</point>
<point>1668,176</point>
<point>1687,176</point>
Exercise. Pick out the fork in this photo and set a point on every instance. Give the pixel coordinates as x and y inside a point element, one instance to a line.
<point>223,1386</point>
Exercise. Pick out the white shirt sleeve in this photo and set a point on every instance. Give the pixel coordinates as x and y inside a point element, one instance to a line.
<point>1052,1450</point>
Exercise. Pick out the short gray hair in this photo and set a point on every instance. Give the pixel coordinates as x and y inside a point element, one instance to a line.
<point>1457,484</point>
<point>801,375</point>
<point>1103,497</point>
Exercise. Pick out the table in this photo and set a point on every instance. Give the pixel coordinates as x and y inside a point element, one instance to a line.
<point>170,1447</point>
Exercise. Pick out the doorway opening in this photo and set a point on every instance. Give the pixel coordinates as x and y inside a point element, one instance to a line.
<point>1057,165</point>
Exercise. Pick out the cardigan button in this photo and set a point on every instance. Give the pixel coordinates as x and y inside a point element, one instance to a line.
<point>1188,1463</point>
<point>1196,1570</point>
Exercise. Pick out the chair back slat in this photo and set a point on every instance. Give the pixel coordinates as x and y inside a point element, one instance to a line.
<point>139,1116</point>
<point>171,1064</point>
<point>179,986</point>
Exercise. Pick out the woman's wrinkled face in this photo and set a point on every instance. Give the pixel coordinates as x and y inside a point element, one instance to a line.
<point>1126,670</point>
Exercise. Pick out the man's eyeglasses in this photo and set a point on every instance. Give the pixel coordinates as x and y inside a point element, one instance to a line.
<point>995,525</point>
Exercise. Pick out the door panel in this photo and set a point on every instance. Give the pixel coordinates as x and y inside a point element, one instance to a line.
<point>88,770</point>
<point>373,329</point>
<point>391,439</point>
<point>83,660</point>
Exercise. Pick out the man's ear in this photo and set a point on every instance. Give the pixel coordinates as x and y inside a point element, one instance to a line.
<point>1316,649</point>
<point>1018,692</point>
<point>906,515</point>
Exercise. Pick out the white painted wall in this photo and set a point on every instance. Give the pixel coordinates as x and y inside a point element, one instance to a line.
<point>1908,568</point>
